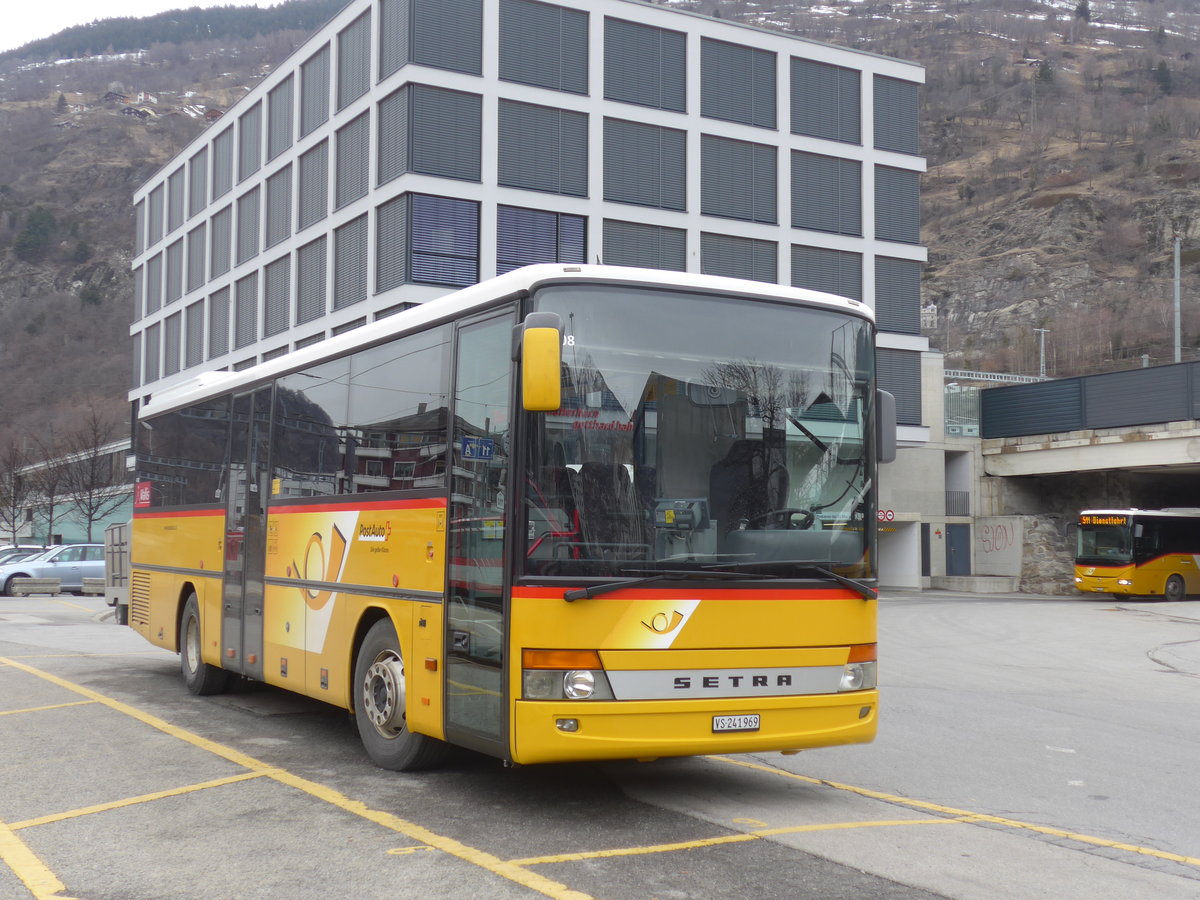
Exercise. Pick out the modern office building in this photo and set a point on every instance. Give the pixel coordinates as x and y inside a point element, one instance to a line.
<point>412,147</point>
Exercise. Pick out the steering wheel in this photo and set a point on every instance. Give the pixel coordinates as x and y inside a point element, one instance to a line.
<point>787,516</point>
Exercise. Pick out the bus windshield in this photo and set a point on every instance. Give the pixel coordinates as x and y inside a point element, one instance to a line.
<point>1103,545</point>
<point>700,430</point>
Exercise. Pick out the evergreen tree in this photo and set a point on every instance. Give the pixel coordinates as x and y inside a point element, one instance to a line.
<point>1162,77</point>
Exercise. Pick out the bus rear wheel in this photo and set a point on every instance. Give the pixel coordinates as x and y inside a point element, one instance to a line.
<point>201,678</point>
<point>1175,589</point>
<point>380,705</point>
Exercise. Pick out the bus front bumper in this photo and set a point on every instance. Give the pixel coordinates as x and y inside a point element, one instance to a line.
<point>650,729</point>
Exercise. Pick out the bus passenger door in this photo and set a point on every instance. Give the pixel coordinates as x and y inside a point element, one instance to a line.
<point>476,629</point>
<point>246,478</point>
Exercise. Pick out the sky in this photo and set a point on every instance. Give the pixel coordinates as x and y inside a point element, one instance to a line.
<point>26,21</point>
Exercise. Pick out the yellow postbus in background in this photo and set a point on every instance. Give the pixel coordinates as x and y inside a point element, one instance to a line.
<point>1138,552</point>
<point>570,513</point>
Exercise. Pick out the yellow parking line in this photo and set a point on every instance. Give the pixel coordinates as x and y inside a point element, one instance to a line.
<point>72,605</point>
<point>24,863</point>
<point>487,861</point>
<point>967,815</point>
<point>30,709</point>
<point>133,801</point>
<point>755,835</point>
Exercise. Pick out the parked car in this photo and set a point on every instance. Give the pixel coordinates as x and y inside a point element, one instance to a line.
<point>13,552</point>
<point>70,563</point>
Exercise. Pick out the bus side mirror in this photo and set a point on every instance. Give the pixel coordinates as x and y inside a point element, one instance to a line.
<point>885,426</point>
<point>541,362</point>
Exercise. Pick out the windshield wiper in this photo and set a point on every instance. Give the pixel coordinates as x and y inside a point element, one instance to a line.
<point>821,567</point>
<point>653,575</point>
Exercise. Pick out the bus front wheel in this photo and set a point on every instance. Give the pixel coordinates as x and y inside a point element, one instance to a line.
<point>1174,589</point>
<point>379,705</point>
<point>201,678</point>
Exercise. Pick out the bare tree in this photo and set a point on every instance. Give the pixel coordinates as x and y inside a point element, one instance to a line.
<point>46,480</point>
<point>14,490</point>
<point>93,484</point>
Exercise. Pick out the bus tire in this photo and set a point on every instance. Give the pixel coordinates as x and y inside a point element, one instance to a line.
<point>379,705</point>
<point>1174,589</point>
<point>201,678</point>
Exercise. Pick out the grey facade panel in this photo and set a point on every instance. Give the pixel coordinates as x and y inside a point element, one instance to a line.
<point>544,45</point>
<point>738,257</point>
<point>154,215</point>
<point>900,374</point>
<point>172,338</point>
<point>218,323</point>
<point>198,181</point>
<point>541,148</point>
<point>351,179</point>
<point>152,365</point>
<point>737,83</point>
<point>394,126</point>
<point>174,286</point>
<point>897,205</point>
<point>250,142</point>
<point>391,244</point>
<point>281,116</point>
<point>393,36</point>
<point>245,311</point>
<point>645,165</point>
<point>220,256</point>
<point>311,269</point>
<point>277,284</point>
<point>222,165</point>
<point>447,34</point>
<point>279,206</point>
<point>314,91</point>
<point>898,295</point>
<point>645,65</point>
<point>1137,397</point>
<point>1041,408</point>
<point>313,203</point>
<point>645,246</point>
<point>193,349</point>
<point>154,283</point>
<point>826,101</point>
<point>826,193</point>
<point>354,60</point>
<point>248,225</point>
<point>175,199</point>
<point>528,236</point>
<point>446,133</point>
<point>738,179</point>
<point>350,263</point>
<point>832,271</point>
<point>896,115</point>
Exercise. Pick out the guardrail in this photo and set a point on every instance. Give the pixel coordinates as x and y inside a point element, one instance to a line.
<point>23,587</point>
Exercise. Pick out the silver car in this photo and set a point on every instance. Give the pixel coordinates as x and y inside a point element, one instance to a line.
<point>70,564</point>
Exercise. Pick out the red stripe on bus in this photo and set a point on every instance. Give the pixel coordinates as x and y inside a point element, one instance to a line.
<point>425,503</point>
<point>720,594</point>
<point>175,513</point>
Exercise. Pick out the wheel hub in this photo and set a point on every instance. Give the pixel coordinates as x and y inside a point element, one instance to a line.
<point>383,694</point>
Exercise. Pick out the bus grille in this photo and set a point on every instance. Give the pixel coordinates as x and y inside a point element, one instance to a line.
<point>139,599</point>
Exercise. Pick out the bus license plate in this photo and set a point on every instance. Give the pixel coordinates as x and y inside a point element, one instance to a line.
<point>735,723</point>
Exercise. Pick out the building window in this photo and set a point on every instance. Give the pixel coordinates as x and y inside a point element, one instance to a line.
<point>353,143</point>
<point>152,366</point>
<point>738,179</point>
<point>430,131</point>
<point>826,101</point>
<point>194,340</point>
<point>646,246</point>
<point>279,206</point>
<point>900,374</point>
<point>898,295</point>
<point>544,45</point>
<point>155,218</point>
<point>250,142</point>
<point>314,91</point>
<point>139,228</point>
<point>645,65</point>
<point>528,236</point>
<point>896,115</point>
<point>174,287</point>
<point>427,240</point>
<point>277,277</point>
<point>350,263</point>
<point>832,271</point>
<point>154,283</point>
<point>897,205</point>
<point>354,60</point>
<point>245,311</point>
<point>198,182</point>
<point>826,193</point>
<point>172,337</point>
<point>737,83</point>
<point>218,323</point>
<point>645,164</point>
<point>314,186</point>
<point>222,177</point>
<point>195,256</point>
<point>542,149</point>
<point>280,112</point>
<point>310,281</point>
<point>222,238</point>
<point>247,225</point>
<point>738,257</point>
<point>175,199</point>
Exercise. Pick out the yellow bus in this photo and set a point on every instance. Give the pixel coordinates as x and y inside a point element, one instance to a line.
<point>1138,552</point>
<point>569,513</point>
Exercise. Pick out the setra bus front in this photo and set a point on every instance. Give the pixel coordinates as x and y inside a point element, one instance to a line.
<point>693,567</point>
<point>1104,561</point>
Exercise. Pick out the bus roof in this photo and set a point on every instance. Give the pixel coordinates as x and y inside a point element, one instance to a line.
<point>479,296</point>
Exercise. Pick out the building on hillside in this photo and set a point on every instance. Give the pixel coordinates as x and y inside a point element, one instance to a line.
<point>412,147</point>
<point>59,517</point>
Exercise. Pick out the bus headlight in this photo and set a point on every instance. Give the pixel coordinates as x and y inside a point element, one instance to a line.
<point>1078,580</point>
<point>563,675</point>
<point>859,676</point>
<point>1124,582</point>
